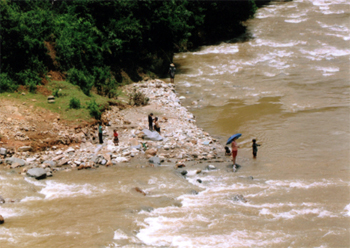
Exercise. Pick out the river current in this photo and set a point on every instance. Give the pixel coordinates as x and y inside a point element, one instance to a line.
<point>286,86</point>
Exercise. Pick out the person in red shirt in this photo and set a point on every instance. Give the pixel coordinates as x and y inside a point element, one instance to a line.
<point>234,150</point>
<point>116,139</point>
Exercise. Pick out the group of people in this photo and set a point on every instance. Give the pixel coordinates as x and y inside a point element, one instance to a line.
<point>100,135</point>
<point>234,149</point>
<point>153,123</point>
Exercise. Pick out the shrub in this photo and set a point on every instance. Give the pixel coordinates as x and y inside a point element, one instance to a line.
<point>74,103</point>
<point>138,98</point>
<point>81,78</point>
<point>6,84</point>
<point>94,109</point>
<point>29,78</point>
<point>56,93</point>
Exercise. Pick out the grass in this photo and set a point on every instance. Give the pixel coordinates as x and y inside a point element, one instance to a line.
<point>61,106</point>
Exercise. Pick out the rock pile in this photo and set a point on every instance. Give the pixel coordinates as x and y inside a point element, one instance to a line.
<point>180,140</point>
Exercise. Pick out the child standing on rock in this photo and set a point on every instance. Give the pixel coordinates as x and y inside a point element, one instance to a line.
<point>116,139</point>
<point>255,148</point>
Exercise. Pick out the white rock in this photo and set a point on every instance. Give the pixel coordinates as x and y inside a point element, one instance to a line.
<point>70,149</point>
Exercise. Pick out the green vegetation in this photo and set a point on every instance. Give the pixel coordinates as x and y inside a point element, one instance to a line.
<point>94,109</point>
<point>100,45</point>
<point>62,104</point>
<point>93,42</point>
<point>138,98</point>
<point>74,103</point>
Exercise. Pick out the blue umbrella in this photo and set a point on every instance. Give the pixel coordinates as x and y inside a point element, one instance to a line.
<point>237,135</point>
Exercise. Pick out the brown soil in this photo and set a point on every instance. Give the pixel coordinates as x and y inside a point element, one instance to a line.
<point>36,125</point>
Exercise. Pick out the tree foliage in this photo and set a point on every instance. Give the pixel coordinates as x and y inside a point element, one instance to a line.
<point>94,40</point>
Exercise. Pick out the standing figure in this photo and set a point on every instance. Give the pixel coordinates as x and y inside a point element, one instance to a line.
<point>255,148</point>
<point>171,72</point>
<point>116,139</point>
<point>100,133</point>
<point>150,121</point>
<point>156,125</point>
<point>234,150</point>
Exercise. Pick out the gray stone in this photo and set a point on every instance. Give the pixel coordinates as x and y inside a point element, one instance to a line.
<point>211,167</point>
<point>12,160</point>
<point>3,151</point>
<point>184,172</point>
<point>37,173</point>
<point>154,160</point>
<point>104,161</point>
<point>50,162</point>
<point>138,147</point>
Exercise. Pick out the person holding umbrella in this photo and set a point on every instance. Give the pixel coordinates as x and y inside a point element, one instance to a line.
<point>234,146</point>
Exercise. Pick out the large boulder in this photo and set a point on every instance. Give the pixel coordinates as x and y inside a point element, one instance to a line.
<point>37,173</point>
<point>12,160</point>
<point>149,135</point>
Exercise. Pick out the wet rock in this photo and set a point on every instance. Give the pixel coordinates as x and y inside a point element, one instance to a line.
<point>198,171</point>
<point>12,160</point>
<point>154,160</point>
<point>140,191</point>
<point>198,180</point>
<point>211,167</point>
<point>37,173</point>
<point>50,162</point>
<point>239,198</point>
<point>184,172</point>
<point>180,165</point>
<point>2,200</point>
<point>2,220</point>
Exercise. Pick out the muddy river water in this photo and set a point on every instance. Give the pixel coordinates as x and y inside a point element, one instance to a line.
<point>288,87</point>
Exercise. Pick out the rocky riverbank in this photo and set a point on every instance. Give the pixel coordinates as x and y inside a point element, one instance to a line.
<point>180,143</point>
